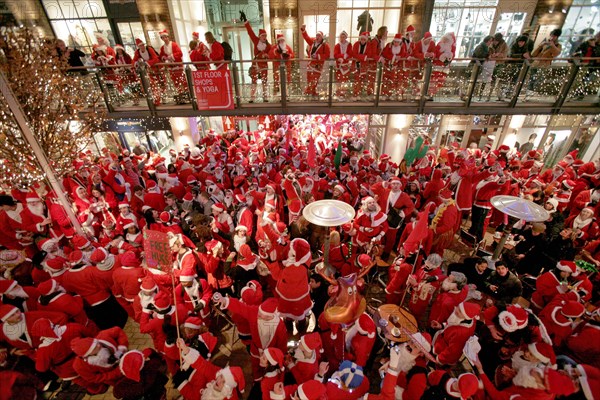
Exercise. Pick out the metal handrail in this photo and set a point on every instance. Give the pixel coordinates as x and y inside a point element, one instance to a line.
<point>457,60</point>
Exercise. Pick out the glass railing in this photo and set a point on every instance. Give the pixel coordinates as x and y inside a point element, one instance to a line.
<point>502,83</point>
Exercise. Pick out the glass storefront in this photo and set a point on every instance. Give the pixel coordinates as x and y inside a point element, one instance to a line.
<point>354,16</point>
<point>470,20</point>
<point>583,20</point>
<point>77,22</point>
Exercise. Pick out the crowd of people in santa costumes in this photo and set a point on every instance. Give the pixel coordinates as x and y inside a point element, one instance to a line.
<point>231,208</point>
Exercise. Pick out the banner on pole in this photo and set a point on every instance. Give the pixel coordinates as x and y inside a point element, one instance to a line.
<point>157,250</point>
<point>213,89</point>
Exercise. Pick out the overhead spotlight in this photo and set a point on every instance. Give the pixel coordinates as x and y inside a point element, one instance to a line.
<point>551,9</point>
<point>412,9</point>
<point>564,10</point>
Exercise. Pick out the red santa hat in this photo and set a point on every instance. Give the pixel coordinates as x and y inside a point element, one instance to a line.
<point>543,352</point>
<point>193,322</point>
<point>274,356</point>
<point>299,252</point>
<point>128,223</point>
<point>312,342</point>
<point>577,163</point>
<point>80,242</point>
<point>83,347</point>
<point>32,197</point>
<point>269,307</point>
<point>422,340</point>
<point>513,318</point>
<point>365,34</point>
<point>366,326</point>
<point>569,184</point>
<point>311,390</point>
<point>191,179</point>
<point>427,35</point>
<point>319,33</point>
<point>218,207</point>
<point>252,293</point>
<point>410,28</point>
<point>48,287</point>
<point>234,377</point>
<point>148,284</point>
<point>446,194</point>
<point>340,188</point>
<point>398,37</point>
<point>589,380</point>
<point>210,341</point>
<point>558,382</point>
<point>131,364</point>
<point>262,32</point>
<point>130,259</point>
<point>42,328</point>
<point>187,275</point>
<point>246,256</point>
<point>211,245</point>
<point>271,203</point>
<point>196,35</point>
<point>468,385</point>
<point>75,257</point>
<point>138,41</point>
<point>98,256</point>
<point>504,149</point>
<point>7,285</point>
<point>162,300</point>
<point>150,184</point>
<point>295,206</point>
<point>123,204</point>
<point>165,217</point>
<point>164,32</point>
<point>108,223</point>
<point>280,37</point>
<point>567,266</point>
<point>363,261</point>
<point>469,310</point>
<point>572,309</point>
<point>6,310</point>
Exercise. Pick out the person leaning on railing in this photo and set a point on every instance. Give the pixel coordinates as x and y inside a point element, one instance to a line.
<point>543,55</point>
<point>283,52</point>
<point>588,51</point>
<point>259,69</point>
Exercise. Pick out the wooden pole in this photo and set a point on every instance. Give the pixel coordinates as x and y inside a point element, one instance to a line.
<point>412,272</point>
<point>176,316</point>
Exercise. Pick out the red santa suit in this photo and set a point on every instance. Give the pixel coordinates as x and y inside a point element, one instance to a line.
<point>422,293</point>
<point>360,339</point>
<point>393,73</point>
<point>583,344</point>
<point>100,373</point>
<point>449,342</point>
<point>365,55</point>
<point>388,199</point>
<point>370,227</point>
<point>284,53</point>
<point>444,54</point>
<point>292,287</point>
<point>318,52</point>
<point>126,281</point>
<point>264,334</point>
<point>444,304</point>
<point>192,297</point>
<point>444,224</point>
<point>556,314</point>
<point>72,306</point>
<point>261,52</point>
<point>19,335</point>
<point>54,352</point>
<point>203,372</point>
<point>10,225</point>
<point>546,287</point>
<point>171,53</point>
<point>60,220</point>
<point>397,285</point>
<point>343,55</point>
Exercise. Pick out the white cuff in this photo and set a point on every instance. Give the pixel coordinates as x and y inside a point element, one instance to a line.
<point>275,396</point>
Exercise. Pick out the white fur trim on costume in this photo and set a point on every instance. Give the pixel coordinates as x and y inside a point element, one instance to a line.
<point>553,316</point>
<point>362,331</point>
<point>533,350</point>
<point>228,377</point>
<point>123,358</point>
<point>508,321</point>
<point>585,385</point>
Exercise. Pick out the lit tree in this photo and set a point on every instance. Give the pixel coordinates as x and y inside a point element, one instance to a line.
<point>60,108</point>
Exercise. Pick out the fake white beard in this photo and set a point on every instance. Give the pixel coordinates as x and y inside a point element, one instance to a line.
<point>407,359</point>
<point>453,319</point>
<point>261,46</point>
<point>37,209</point>
<point>524,378</point>
<point>238,241</point>
<point>518,362</point>
<point>16,214</point>
<point>299,355</point>
<point>211,393</point>
<point>193,290</point>
<point>15,331</point>
<point>146,300</point>
<point>448,286</point>
<point>396,50</point>
<point>100,359</point>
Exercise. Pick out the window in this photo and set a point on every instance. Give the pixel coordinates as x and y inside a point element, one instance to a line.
<point>77,22</point>
<point>129,32</point>
<point>354,16</point>
<point>583,20</point>
<point>470,20</point>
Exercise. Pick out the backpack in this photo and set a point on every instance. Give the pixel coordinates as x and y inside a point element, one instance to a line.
<point>227,51</point>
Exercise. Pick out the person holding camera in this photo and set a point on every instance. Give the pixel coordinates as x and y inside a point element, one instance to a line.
<point>543,55</point>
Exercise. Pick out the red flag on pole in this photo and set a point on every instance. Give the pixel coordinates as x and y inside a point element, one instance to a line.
<point>411,245</point>
<point>311,158</point>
